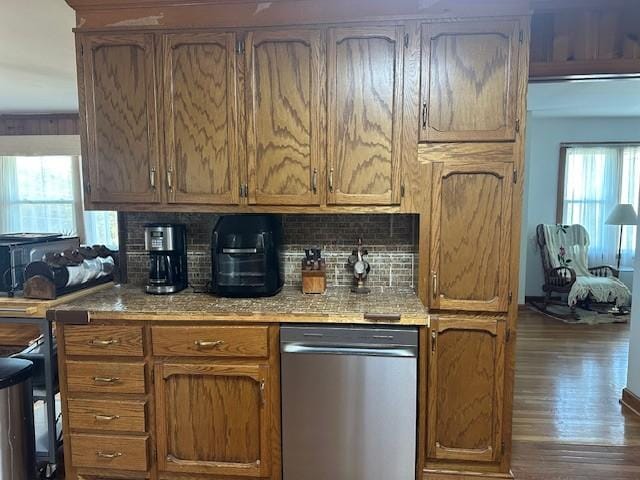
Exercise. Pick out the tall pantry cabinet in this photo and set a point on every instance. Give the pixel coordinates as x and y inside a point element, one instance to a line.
<point>471,111</point>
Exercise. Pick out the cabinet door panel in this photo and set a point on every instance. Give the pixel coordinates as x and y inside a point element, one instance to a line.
<point>470,235</point>
<point>200,111</point>
<point>213,419</point>
<point>120,86</point>
<point>466,383</point>
<point>365,68</point>
<point>469,81</point>
<point>285,72</point>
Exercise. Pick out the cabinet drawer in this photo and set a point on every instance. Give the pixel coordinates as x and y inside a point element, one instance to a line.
<point>103,377</point>
<point>103,340</point>
<point>232,341</point>
<point>107,415</point>
<point>115,452</point>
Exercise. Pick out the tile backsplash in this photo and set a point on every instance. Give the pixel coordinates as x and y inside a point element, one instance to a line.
<point>390,240</point>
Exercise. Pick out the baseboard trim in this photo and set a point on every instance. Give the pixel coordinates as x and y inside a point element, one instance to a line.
<point>455,475</point>
<point>630,401</point>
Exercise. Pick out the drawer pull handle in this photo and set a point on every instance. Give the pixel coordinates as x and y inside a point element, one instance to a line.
<point>107,418</point>
<point>109,455</point>
<point>205,344</point>
<point>434,285</point>
<point>104,343</point>
<point>106,379</point>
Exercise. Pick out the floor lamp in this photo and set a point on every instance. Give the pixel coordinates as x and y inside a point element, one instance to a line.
<point>622,214</point>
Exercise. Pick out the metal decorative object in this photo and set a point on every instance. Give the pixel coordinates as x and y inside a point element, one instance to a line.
<point>361,268</point>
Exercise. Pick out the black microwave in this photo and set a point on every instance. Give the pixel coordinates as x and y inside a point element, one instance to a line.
<point>246,256</point>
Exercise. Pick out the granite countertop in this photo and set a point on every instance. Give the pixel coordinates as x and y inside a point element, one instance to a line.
<point>337,305</point>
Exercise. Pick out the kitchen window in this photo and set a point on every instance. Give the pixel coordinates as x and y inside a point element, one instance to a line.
<point>43,194</point>
<point>593,180</point>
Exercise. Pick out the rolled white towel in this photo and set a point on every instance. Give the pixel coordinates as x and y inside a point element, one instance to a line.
<point>90,270</point>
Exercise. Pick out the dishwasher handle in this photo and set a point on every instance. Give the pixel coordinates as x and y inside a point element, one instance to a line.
<point>368,350</point>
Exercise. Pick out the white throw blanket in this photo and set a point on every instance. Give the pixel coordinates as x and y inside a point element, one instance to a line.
<point>568,247</point>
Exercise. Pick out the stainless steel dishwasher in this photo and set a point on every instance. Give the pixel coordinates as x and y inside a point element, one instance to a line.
<point>349,402</point>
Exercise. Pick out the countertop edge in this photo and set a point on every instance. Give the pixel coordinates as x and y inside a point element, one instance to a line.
<point>88,316</point>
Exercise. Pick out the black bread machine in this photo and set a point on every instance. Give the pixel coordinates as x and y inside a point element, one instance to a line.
<point>245,256</point>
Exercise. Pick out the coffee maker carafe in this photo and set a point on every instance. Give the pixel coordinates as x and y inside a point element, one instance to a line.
<point>167,247</point>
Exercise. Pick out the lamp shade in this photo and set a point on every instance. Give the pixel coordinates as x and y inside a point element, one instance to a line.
<point>622,214</point>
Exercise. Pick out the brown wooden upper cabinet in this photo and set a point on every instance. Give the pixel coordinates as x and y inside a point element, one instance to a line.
<point>284,95</point>
<point>213,419</point>
<point>466,384</point>
<point>119,83</point>
<point>469,80</point>
<point>200,109</point>
<point>471,235</point>
<point>364,77</point>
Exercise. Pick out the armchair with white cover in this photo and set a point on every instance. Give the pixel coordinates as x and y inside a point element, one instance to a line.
<point>564,249</point>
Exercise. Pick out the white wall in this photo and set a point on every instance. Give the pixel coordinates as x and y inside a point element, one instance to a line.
<point>633,372</point>
<point>544,136</point>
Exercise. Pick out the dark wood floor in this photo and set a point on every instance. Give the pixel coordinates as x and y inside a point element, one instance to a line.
<point>568,423</point>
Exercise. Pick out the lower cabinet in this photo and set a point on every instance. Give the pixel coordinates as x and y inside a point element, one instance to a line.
<point>188,401</point>
<point>213,419</point>
<point>465,388</point>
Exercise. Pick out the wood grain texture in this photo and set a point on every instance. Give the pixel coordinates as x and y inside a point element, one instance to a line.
<point>120,86</point>
<point>107,415</point>
<point>285,79</point>
<point>630,401</point>
<point>91,377</point>
<point>586,40</point>
<point>415,175</point>
<point>33,308</point>
<point>365,66</point>
<point>568,422</point>
<point>244,208</point>
<point>105,340</point>
<point>233,341</point>
<point>465,397</point>
<point>275,414</point>
<point>235,441</point>
<point>200,109</point>
<point>514,261</point>
<point>93,451</point>
<point>446,152</point>
<point>18,334</point>
<point>470,236</point>
<point>469,80</point>
<point>50,124</point>
<point>172,13</point>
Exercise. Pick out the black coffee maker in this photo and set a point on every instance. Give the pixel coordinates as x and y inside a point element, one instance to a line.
<point>167,247</point>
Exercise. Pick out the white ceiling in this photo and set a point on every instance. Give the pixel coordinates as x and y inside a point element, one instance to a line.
<point>38,75</point>
<point>37,57</point>
<point>585,98</point>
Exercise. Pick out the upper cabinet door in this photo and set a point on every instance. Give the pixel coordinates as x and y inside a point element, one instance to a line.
<point>365,72</point>
<point>285,90</point>
<point>471,235</point>
<point>469,81</point>
<point>120,104</point>
<point>200,111</point>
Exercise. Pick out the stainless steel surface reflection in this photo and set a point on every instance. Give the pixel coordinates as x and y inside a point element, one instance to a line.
<point>349,403</point>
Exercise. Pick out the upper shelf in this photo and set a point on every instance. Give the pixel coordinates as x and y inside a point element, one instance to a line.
<point>250,13</point>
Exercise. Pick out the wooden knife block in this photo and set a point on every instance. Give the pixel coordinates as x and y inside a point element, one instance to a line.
<point>314,281</point>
